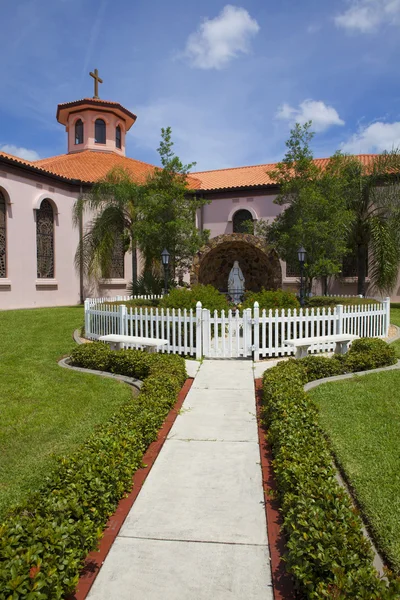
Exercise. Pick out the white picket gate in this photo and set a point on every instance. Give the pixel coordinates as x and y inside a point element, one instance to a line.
<point>235,334</point>
<point>227,335</point>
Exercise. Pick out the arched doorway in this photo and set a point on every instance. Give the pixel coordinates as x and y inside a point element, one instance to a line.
<point>260,265</point>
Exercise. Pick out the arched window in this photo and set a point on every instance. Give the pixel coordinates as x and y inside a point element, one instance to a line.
<point>45,240</point>
<point>79,132</point>
<point>3,236</point>
<point>118,259</point>
<point>100,131</point>
<point>118,136</point>
<point>239,221</point>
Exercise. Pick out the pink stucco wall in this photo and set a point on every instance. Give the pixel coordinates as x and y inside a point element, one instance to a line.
<point>217,217</point>
<point>89,117</point>
<point>21,288</point>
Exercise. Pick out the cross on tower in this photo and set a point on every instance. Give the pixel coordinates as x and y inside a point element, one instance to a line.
<point>97,80</point>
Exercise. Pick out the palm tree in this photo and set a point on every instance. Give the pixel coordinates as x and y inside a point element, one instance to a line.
<point>112,203</point>
<point>373,196</point>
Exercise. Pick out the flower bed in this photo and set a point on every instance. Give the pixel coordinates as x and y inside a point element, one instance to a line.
<point>44,541</point>
<point>327,552</point>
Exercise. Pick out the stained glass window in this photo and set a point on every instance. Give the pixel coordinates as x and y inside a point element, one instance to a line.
<point>79,132</point>
<point>239,221</point>
<point>117,262</point>
<point>118,136</point>
<point>3,236</point>
<point>100,131</point>
<point>45,240</point>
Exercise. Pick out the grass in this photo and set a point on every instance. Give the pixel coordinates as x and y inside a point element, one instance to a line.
<point>45,409</point>
<point>361,417</point>
<point>395,319</point>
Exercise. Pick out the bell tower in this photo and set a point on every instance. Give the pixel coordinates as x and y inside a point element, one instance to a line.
<point>95,124</point>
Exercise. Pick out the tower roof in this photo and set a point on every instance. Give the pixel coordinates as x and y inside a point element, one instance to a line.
<point>66,108</point>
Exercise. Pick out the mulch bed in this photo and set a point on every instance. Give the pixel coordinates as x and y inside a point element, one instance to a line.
<point>282,581</point>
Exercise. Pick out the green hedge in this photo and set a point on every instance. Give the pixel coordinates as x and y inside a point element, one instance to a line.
<point>327,552</point>
<point>271,299</point>
<point>208,295</point>
<point>44,541</point>
<point>326,301</point>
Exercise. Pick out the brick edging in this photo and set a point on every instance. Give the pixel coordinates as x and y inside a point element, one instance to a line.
<point>95,559</point>
<point>282,582</point>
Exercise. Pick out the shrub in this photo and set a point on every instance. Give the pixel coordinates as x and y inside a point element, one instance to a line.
<point>318,367</point>
<point>208,295</point>
<point>44,541</point>
<point>369,353</point>
<point>271,299</point>
<point>327,301</point>
<point>327,552</point>
<point>92,356</point>
<point>148,283</point>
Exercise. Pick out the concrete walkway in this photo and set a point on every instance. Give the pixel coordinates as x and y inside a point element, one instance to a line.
<point>197,530</point>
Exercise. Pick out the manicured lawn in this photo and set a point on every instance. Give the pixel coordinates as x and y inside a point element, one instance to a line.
<point>362,419</point>
<point>44,408</point>
<point>395,316</point>
<point>395,319</point>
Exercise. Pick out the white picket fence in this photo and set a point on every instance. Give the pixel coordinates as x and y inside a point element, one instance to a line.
<point>106,299</point>
<point>234,334</point>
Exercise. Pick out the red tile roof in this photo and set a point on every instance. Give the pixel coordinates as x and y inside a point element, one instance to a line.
<point>26,163</point>
<point>91,165</point>
<point>64,109</point>
<point>100,100</point>
<point>252,176</point>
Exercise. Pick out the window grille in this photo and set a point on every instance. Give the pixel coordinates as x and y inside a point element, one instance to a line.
<point>45,240</point>
<point>3,236</point>
<point>239,221</point>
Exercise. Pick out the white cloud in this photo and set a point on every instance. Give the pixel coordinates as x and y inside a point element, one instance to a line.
<point>219,40</point>
<point>367,15</point>
<point>19,151</point>
<point>376,137</point>
<point>321,115</point>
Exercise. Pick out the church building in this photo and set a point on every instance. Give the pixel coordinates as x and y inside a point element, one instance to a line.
<point>38,240</point>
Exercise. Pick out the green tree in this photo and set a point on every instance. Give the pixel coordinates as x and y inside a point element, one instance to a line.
<point>167,215</point>
<point>158,214</point>
<point>372,192</point>
<point>315,213</point>
<point>113,204</point>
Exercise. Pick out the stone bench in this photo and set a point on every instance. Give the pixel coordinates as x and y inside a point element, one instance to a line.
<point>341,341</point>
<point>116,341</point>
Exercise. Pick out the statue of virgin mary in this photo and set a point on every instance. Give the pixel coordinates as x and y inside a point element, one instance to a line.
<point>236,283</point>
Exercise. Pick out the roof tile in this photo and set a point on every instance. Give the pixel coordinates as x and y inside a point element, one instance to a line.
<point>251,176</point>
<point>89,166</point>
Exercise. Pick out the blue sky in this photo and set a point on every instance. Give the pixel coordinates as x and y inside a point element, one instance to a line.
<point>230,79</point>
